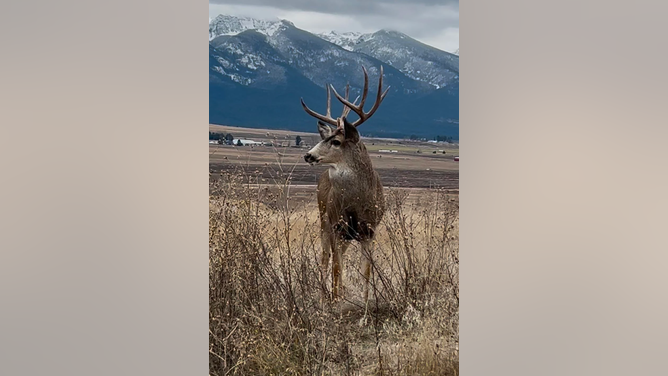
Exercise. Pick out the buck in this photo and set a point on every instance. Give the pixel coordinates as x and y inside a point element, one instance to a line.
<point>349,193</point>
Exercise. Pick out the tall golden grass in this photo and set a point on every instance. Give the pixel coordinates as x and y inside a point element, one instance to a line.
<point>265,313</point>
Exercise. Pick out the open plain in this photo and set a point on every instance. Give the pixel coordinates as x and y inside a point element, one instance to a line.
<point>400,163</point>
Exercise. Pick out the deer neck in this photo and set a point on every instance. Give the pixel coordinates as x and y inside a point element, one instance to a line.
<point>354,167</point>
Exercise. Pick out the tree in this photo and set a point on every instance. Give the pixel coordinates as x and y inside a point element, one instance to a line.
<point>298,140</point>
<point>239,143</point>
<point>444,138</point>
<point>229,139</point>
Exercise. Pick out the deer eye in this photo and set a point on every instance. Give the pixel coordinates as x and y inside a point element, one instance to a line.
<point>336,142</point>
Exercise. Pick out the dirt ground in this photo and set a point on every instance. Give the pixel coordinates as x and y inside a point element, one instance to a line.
<point>414,164</point>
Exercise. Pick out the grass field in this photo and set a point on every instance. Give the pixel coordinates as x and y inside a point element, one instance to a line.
<point>266,317</point>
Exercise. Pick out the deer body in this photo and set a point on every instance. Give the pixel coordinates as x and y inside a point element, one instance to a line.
<point>349,193</point>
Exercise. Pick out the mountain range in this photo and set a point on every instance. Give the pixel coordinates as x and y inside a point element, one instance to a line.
<point>259,70</point>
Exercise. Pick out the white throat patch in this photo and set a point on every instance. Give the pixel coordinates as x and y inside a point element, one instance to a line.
<point>340,172</point>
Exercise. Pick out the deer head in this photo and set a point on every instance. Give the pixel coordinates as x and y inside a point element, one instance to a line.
<point>338,136</point>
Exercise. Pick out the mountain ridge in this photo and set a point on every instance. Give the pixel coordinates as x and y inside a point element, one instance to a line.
<point>272,64</point>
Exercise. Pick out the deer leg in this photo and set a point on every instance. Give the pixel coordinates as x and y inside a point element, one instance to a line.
<point>366,267</point>
<point>366,272</point>
<point>326,242</point>
<point>339,248</point>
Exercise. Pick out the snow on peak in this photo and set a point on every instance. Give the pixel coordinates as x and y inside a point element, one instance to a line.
<point>392,33</point>
<point>233,25</point>
<point>346,39</point>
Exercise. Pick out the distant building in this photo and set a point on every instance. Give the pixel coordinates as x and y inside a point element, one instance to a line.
<point>246,142</point>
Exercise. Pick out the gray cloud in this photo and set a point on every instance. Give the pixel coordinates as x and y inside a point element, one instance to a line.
<point>346,7</point>
<point>435,22</point>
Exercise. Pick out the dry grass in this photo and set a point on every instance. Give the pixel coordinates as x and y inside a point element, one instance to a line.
<point>265,312</point>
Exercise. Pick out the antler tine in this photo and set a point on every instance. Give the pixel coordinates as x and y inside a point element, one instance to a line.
<point>365,91</point>
<point>326,119</point>
<point>359,109</point>
<point>346,110</point>
<point>329,102</point>
<point>379,99</point>
<point>316,115</point>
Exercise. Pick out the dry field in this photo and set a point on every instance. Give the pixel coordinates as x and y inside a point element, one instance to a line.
<point>430,168</point>
<point>265,313</point>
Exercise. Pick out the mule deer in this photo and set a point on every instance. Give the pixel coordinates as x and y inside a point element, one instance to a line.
<point>350,193</point>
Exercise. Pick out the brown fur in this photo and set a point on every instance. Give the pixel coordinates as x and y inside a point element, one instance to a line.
<point>354,200</point>
<point>350,193</point>
<point>351,203</point>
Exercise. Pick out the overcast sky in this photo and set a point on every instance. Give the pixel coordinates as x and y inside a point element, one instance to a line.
<point>434,22</point>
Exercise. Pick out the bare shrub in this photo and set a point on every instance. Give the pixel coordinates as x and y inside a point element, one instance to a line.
<point>265,316</point>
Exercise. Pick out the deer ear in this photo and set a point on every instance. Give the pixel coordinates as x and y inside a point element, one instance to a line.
<point>324,130</point>
<point>350,132</point>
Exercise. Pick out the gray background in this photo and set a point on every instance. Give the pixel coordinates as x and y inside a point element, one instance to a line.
<point>103,246</point>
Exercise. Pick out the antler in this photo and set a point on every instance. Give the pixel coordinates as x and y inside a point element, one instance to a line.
<point>346,109</point>
<point>328,119</point>
<point>359,109</point>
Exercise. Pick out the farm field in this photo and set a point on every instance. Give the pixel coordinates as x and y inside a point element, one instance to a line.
<point>432,167</point>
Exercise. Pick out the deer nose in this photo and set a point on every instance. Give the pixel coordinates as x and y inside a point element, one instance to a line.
<point>309,158</point>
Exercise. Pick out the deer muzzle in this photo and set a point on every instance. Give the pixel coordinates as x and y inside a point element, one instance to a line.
<point>310,158</point>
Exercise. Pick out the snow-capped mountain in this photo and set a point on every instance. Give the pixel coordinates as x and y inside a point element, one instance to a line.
<point>232,25</point>
<point>323,62</point>
<point>413,58</point>
<point>347,39</point>
<point>320,61</point>
<point>272,64</point>
<point>247,59</point>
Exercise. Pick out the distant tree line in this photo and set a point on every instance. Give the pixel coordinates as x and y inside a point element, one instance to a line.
<point>228,139</point>
<point>222,139</point>
<point>437,138</point>
<point>444,138</point>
